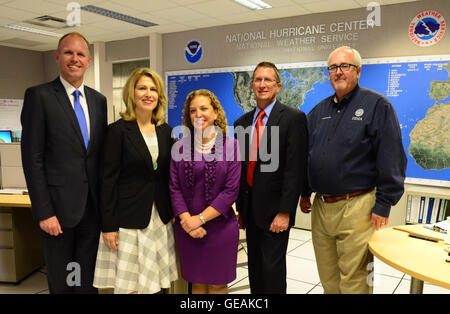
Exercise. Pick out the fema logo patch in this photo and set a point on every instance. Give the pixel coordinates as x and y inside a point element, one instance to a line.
<point>427,28</point>
<point>193,51</point>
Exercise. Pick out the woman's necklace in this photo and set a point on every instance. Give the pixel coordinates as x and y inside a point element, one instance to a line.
<point>204,147</point>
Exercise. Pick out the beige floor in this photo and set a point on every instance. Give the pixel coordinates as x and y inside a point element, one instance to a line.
<point>302,276</point>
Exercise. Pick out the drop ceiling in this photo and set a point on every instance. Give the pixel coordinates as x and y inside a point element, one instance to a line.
<point>170,15</point>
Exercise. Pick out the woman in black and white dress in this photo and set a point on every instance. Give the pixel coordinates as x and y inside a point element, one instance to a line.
<point>137,250</point>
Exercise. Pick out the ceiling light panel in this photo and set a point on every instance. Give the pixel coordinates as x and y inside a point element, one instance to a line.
<point>261,4</point>
<point>254,4</point>
<point>117,16</point>
<point>30,30</point>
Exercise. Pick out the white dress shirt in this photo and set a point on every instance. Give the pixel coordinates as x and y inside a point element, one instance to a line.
<point>69,90</point>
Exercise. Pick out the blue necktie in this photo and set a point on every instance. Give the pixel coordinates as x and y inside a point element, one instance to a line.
<point>80,116</point>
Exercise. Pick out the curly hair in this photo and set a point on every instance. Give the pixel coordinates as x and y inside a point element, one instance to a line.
<point>221,120</point>
<point>159,113</point>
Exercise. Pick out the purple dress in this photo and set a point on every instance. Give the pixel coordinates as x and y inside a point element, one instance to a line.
<point>193,187</point>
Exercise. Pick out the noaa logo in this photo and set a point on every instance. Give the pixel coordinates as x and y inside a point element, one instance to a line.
<point>358,114</point>
<point>427,28</point>
<point>193,51</point>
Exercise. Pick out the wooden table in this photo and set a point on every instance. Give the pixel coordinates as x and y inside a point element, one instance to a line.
<point>14,200</point>
<point>20,245</point>
<point>423,260</point>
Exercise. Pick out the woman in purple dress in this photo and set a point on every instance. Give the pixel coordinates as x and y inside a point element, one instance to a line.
<point>204,183</point>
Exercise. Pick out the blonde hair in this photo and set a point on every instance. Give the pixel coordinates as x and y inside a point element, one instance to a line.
<point>159,113</point>
<point>221,120</point>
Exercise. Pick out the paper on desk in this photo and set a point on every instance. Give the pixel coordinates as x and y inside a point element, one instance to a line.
<point>423,230</point>
<point>442,226</point>
<point>13,191</point>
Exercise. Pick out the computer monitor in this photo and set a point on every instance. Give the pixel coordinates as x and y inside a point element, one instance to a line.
<point>5,136</point>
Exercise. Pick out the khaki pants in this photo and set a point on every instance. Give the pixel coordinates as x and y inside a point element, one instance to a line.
<point>340,233</point>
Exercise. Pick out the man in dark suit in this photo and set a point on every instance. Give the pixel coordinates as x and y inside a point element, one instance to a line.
<point>272,177</point>
<point>63,126</point>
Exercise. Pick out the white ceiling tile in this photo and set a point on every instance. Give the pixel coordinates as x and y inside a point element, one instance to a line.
<point>180,14</point>
<point>41,38</point>
<point>80,2</point>
<point>251,16</point>
<point>279,3</point>
<point>147,6</point>
<point>291,10</point>
<point>38,7</point>
<point>142,31</point>
<point>364,3</point>
<point>306,1</point>
<point>203,23</point>
<point>217,8</point>
<point>170,28</point>
<point>87,30</point>
<point>5,20</point>
<point>189,2</point>
<point>153,18</point>
<point>114,26</point>
<point>15,14</point>
<point>108,36</point>
<point>330,5</point>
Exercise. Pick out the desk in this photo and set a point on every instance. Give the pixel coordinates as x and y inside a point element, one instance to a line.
<point>20,245</point>
<point>423,260</point>
<point>16,200</point>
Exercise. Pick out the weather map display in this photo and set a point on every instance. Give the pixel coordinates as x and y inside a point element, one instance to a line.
<point>418,90</point>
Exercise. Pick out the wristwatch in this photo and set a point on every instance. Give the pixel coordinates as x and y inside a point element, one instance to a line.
<point>202,219</point>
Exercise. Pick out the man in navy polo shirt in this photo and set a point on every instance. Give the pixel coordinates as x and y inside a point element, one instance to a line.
<point>356,166</point>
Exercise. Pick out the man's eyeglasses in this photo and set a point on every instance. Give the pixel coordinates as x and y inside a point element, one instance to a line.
<point>345,67</point>
<point>267,81</point>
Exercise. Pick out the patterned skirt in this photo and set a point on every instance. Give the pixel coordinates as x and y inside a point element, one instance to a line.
<point>144,262</point>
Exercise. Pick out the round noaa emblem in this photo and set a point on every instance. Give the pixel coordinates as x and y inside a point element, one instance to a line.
<point>359,112</point>
<point>427,28</point>
<point>193,51</point>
